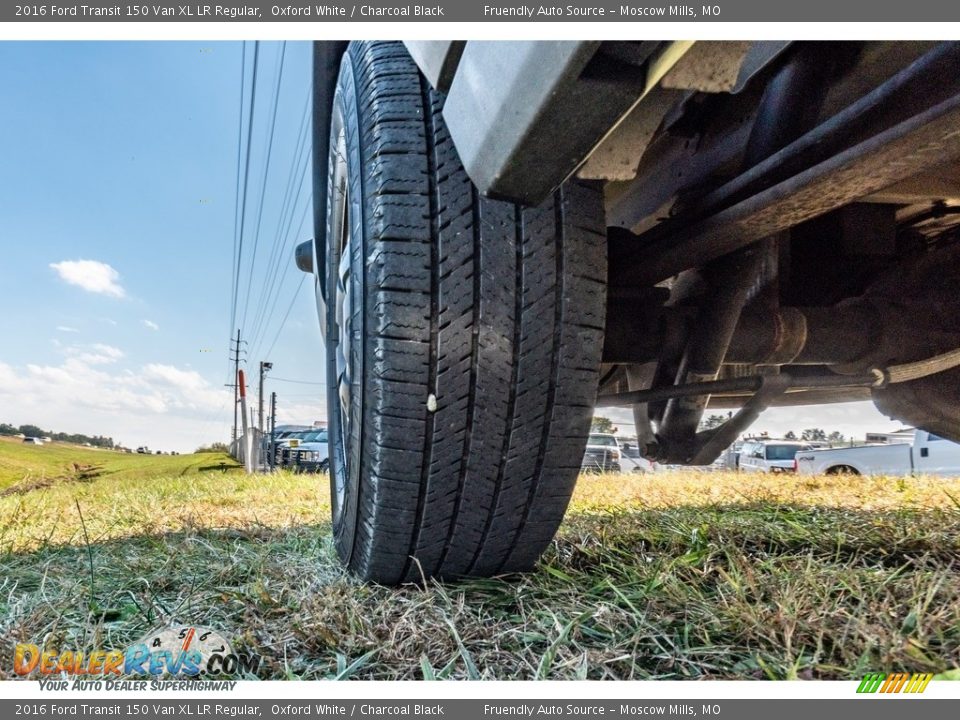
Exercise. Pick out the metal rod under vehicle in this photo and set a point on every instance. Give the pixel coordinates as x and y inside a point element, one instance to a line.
<point>751,383</point>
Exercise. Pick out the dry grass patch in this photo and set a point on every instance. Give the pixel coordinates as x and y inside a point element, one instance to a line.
<point>674,575</point>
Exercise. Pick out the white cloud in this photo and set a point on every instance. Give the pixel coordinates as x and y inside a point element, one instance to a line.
<point>95,354</point>
<point>151,324</point>
<point>166,407</point>
<point>163,406</point>
<point>64,328</point>
<point>172,376</point>
<point>91,275</point>
<point>300,413</point>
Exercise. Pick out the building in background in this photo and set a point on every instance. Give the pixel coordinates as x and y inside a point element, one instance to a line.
<point>903,435</point>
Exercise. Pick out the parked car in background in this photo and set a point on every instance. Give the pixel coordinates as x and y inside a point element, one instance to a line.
<point>286,449</point>
<point>603,454</point>
<point>285,431</point>
<point>311,455</point>
<point>33,441</point>
<point>143,450</point>
<point>770,456</point>
<point>927,454</point>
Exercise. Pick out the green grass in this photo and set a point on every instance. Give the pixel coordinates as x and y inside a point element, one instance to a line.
<point>678,575</point>
<point>24,466</point>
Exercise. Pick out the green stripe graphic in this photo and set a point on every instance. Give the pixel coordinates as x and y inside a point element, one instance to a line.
<point>871,682</point>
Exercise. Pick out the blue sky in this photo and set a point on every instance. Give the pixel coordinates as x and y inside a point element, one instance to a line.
<point>118,167</point>
<point>124,155</point>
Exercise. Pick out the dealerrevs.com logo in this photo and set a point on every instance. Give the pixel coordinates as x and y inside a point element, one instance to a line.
<point>182,652</point>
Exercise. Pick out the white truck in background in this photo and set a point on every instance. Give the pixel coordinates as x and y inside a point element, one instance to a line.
<point>602,454</point>
<point>927,454</point>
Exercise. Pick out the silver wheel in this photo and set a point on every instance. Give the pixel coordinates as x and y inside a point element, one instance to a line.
<point>343,305</point>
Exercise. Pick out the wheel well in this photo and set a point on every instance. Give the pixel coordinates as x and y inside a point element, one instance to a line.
<point>841,470</point>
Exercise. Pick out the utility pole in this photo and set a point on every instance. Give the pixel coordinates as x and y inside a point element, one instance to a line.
<point>273,429</point>
<point>264,368</point>
<point>247,445</point>
<point>235,358</point>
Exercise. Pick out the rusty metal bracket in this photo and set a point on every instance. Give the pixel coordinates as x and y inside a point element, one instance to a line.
<point>925,140</point>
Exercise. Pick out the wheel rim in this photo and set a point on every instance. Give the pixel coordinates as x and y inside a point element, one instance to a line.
<point>343,314</point>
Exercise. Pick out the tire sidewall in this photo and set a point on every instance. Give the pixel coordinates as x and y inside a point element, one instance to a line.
<point>492,311</point>
<point>345,456</point>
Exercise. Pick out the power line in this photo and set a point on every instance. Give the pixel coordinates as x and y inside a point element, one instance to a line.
<point>295,202</point>
<point>258,339</point>
<point>298,382</point>
<point>286,315</point>
<point>236,195</point>
<point>276,297</point>
<point>246,175</point>
<point>288,209</point>
<point>299,163</point>
<point>277,250</point>
<point>235,357</point>
<point>266,175</point>
<point>284,261</point>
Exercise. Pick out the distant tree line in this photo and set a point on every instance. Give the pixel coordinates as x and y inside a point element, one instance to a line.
<point>810,434</point>
<point>217,447</point>
<point>79,439</point>
<point>602,425</point>
<point>605,425</point>
<point>817,435</point>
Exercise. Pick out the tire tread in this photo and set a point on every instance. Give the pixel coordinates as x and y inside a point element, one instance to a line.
<point>495,310</point>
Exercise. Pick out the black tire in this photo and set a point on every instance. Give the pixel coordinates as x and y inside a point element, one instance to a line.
<point>474,328</point>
